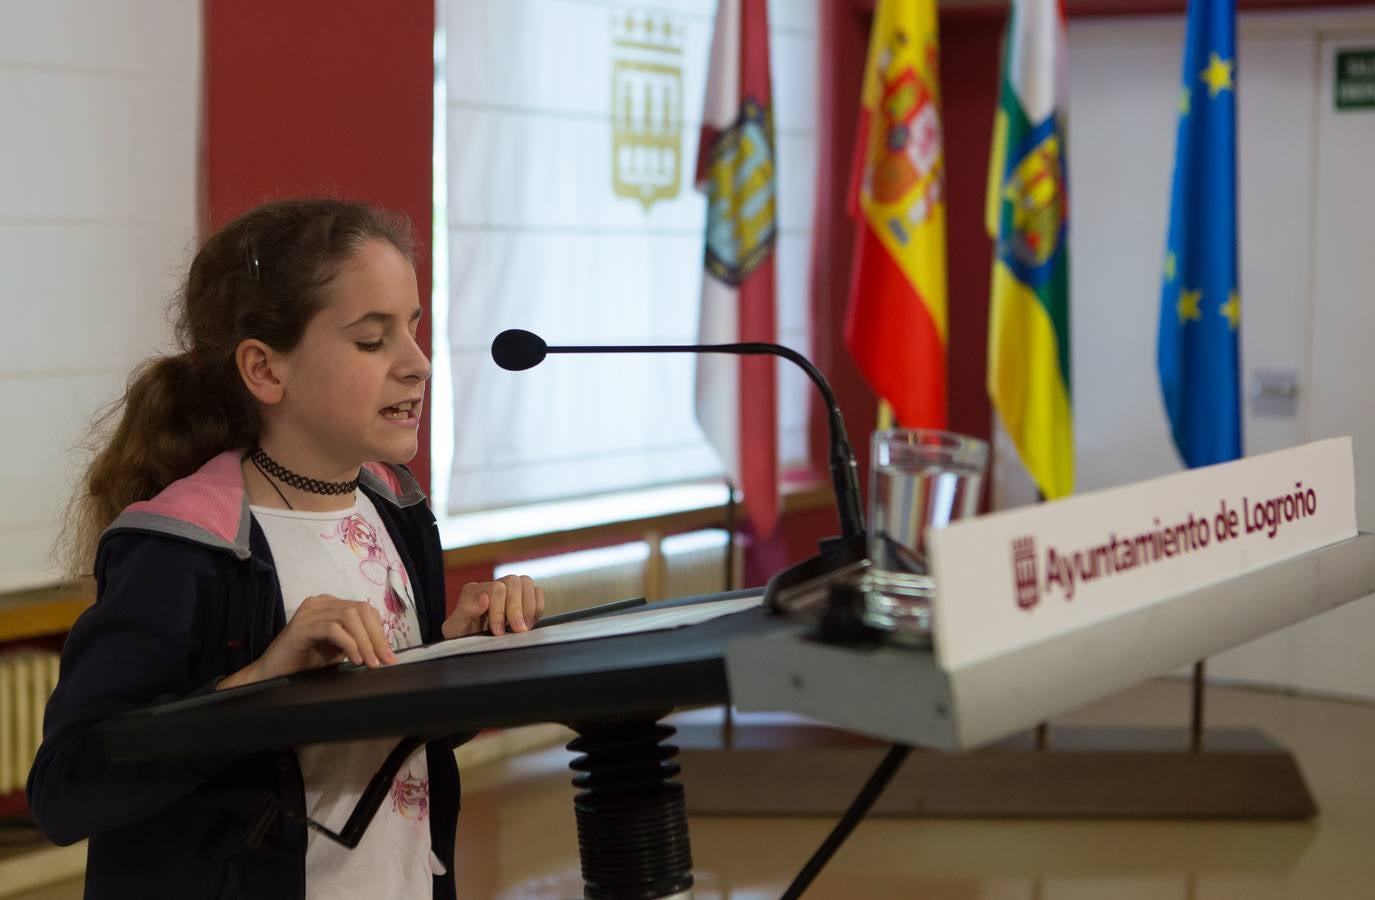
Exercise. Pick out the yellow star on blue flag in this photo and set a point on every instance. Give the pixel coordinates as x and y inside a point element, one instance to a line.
<point>1197,351</point>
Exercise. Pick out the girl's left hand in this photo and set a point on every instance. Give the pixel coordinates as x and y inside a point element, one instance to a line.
<point>512,602</point>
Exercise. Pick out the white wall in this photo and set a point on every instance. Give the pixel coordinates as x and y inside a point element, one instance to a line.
<point>99,122</point>
<point>1124,77</point>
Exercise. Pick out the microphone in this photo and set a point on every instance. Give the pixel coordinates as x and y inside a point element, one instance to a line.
<point>517,350</point>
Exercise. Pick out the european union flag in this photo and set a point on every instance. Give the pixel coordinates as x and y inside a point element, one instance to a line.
<point>1200,309</point>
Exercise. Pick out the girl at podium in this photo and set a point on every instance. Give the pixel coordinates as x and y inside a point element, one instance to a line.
<point>249,516</point>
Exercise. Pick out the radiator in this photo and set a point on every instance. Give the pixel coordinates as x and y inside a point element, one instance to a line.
<point>692,563</point>
<point>27,679</point>
<point>695,563</point>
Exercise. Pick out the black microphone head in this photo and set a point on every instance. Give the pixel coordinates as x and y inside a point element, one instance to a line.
<point>516,349</point>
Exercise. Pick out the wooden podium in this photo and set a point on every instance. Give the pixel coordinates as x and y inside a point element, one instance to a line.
<point>772,768</point>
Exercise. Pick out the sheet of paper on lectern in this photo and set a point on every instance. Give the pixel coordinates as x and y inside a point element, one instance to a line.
<point>587,629</point>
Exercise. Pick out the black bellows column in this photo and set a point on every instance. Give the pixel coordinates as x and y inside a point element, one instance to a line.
<point>632,824</point>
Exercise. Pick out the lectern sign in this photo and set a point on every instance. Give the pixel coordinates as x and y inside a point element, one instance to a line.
<point>1010,579</point>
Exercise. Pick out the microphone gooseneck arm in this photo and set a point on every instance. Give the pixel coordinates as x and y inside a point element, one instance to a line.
<point>844,468</point>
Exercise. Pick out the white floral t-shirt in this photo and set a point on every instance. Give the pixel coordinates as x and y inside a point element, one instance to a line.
<point>348,553</point>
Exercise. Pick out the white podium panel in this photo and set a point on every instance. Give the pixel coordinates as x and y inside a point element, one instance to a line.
<point>902,695</point>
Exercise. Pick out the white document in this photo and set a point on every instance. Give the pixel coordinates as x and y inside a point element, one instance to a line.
<point>587,629</point>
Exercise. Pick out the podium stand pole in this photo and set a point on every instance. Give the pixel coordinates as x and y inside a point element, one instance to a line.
<point>632,821</point>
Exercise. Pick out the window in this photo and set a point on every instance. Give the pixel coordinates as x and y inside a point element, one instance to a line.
<point>566,138</point>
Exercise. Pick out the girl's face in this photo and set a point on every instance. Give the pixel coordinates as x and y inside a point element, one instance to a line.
<point>354,386</point>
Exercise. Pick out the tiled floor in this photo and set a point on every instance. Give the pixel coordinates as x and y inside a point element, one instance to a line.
<point>517,836</point>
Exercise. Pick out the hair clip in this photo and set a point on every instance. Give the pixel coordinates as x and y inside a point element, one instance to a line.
<point>255,268</point>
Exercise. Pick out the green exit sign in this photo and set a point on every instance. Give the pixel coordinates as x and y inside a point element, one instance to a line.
<point>1356,79</point>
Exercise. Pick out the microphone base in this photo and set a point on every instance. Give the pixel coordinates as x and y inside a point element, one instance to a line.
<point>803,590</point>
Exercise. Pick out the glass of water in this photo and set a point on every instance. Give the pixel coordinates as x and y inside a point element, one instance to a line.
<point>918,479</point>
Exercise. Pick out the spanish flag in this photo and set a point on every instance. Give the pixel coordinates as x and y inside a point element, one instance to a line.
<point>1028,218</point>
<point>896,323</point>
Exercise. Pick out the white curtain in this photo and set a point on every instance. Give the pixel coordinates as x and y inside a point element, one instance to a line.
<point>571,137</point>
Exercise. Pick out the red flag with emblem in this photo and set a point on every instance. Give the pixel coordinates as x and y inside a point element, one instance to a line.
<point>737,396</point>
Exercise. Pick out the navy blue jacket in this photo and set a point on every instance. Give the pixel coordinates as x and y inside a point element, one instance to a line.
<point>186,593</point>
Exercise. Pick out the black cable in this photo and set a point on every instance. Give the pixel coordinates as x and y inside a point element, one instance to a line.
<point>858,808</point>
<point>363,811</point>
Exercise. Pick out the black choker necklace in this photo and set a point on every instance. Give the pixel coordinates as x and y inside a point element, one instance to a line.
<point>260,459</point>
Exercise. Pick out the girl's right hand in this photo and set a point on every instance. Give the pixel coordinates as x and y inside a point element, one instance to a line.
<point>323,631</point>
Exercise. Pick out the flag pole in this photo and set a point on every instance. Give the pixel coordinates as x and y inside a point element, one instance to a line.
<point>885,416</point>
<point>729,525</point>
<point>1196,719</point>
<point>728,716</point>
<point>1042,729</point>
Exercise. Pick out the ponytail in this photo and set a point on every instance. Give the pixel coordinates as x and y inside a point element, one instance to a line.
<point>260,276</point>
<point>172,419</point>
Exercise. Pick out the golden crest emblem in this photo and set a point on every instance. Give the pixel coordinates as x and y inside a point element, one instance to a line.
<point>646,106</point>
<point>905,160</point>
<point>742,216</point>
<point>1035,191</point>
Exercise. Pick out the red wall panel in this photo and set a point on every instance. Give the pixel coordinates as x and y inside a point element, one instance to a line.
<point>322,97</point>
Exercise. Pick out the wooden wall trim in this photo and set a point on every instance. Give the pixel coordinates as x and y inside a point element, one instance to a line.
<point>803,498</point>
